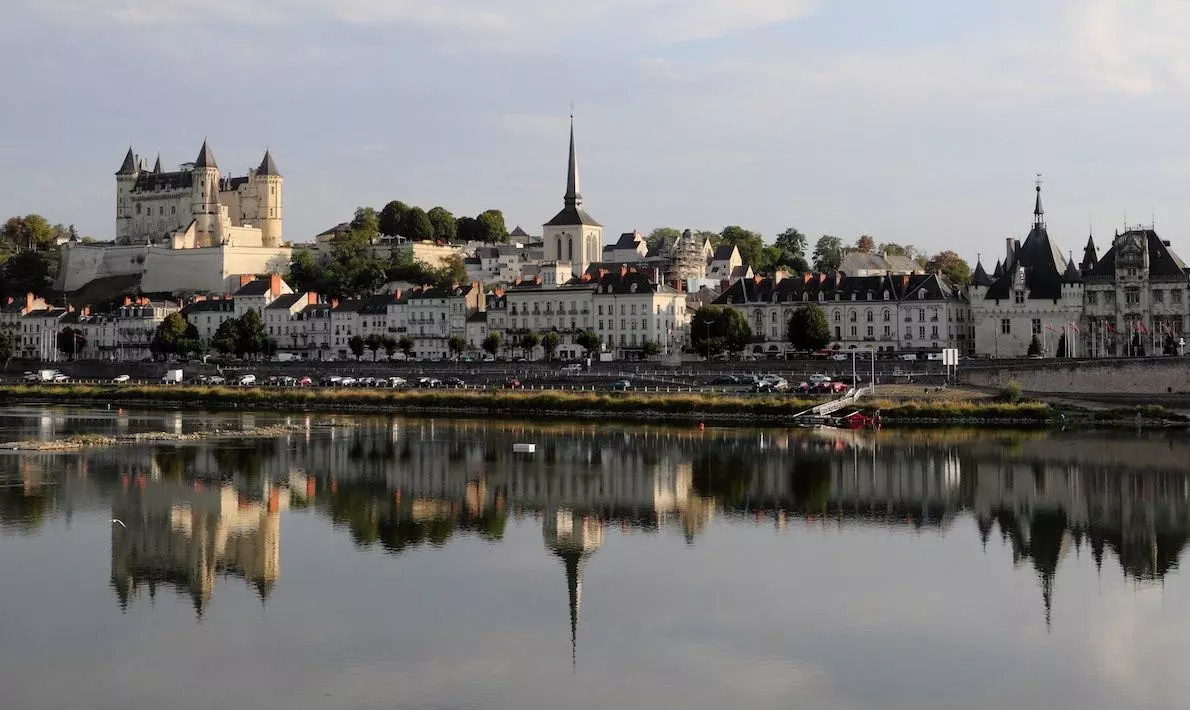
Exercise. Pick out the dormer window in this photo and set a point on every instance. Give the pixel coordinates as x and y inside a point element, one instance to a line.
<point>921,294</point>
<point>1018,297</point>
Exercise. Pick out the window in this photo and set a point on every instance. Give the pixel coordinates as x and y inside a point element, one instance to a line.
<point>1176,295</point>
<point>887,315</point>
<point>851,316</point>
<point>1092,298</point>
<point>1132,271</point>
<point>1158,296</point>
<point>623,324</point>
<point>1036,326</point>
<point>1005,326</point>
<point>869,315</point>
<point>853,331</point>
<point>601,309</point>
<point>888,331</point>
<point>838,316</point>
<point>934,333</point>
<point>838,332</point>
<point>1131,296</point>
<point>601,325</point>
<point>870,331</point>
<point>921,331</point>
<point>644,323</point>
<point>921,315</point>
<point>1018,297</point>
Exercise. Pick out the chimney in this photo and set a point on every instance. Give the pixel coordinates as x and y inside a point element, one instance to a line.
<point>200,297</point>
<point>312,298</point>
<point>8,300</point>
<point>246,279</point>
<point>838,277</point>
<point>275,284</point>
<point>904,283</point>
<point>585,278</point>
<point>127,301</point>
<point>69,308</point>
<point>498,292</point>
<point>758,279</point>
<point>334,303</point>
<point>29,298</point>
<point>806,278</point>
<point>516,281</point>
<point>778,276</point>
<point>821,278</point>
<point>86,311</point>
<point>1010,251</point>
<point>623,270</point>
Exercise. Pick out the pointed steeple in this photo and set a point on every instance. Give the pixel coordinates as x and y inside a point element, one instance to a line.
<point>1090,254</point>
<point>980,278</point>
<point>267,166</point>
<point>128,167</point>
<point>573,197</point>
<point>157,165</point>
<point>1038,211</point>
<point>998,272</point>
<point>1072,274</point>
<point>206,159</point>
<point>574,585</point>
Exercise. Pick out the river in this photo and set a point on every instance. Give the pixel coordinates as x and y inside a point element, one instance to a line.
<point>371,562</point>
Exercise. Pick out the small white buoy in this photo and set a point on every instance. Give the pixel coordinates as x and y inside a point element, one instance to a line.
<point>524,448</point>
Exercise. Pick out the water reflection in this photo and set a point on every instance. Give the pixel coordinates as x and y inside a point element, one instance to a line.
<point>199,513</point>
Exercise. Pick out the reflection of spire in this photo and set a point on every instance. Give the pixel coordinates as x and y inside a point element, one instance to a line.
<point>573,538</point>
<point>574,585</point>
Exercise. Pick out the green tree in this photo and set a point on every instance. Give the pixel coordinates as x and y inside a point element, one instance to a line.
<point>828,254</point>
<point>453,271</point>
<point>714,329</point>
<point>1034,347</point>
<point>445,226</point>
<point>28,232</point>
<point>226,338</point>
<point>366,223</point>
<point>416,225</point>
<point>389,343</point>
<point>351,270</point>
<point>491,225</point>
<point>792,241</point>
<point>590,340</point>
<point>8,345</point>
<point>468,229</point>
<point>373,342</point>
<point>529,341</point>
<point>750,244</point>
<point>733,328</point>
<point>356,344</point>
<point>251,338</point>
<point>71,342</point>
<point>778,259</point>
<point>173,335</point>
<point>865,243</point>
<point>668,235</point>
<point>405,344</point>
<point>456,344</point>
<point>30,272</point>
<point>491,343</point>
<point>550,342</point>
<point>950,265</point>
<point>304,273</point>
<point>391,218</point>
<point>651,348</point>
<point>809,328</point>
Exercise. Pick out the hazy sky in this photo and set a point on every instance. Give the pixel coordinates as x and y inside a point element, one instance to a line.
<point>920,122</point>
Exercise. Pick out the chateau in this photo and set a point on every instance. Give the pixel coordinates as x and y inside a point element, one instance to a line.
<point>195,206</point>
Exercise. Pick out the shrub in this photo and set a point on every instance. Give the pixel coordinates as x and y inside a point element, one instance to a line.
<point>1011,392</point>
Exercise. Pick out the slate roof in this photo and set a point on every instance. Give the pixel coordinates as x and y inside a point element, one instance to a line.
<point>478,317</point>
<point>807,287</point>
<point>1041,259</point>
<point>998,271</point>
<point>1090,254</point>
<point>723,252</point>
<point>210,305</point>
<point>518,232</point>
<point>206,159</point>
<point>1162,260</point>
<point>1072,274</point>
<point>628,240</point>
<point>286,301</point>
<point>157,165</point>
<point>128,167</point>
<point>855,262</point>
<point>572,213</point>
<point>259,287</point>
<point>148,182</point>
<point>267,166</point>
<point>980,278</point>
<point>377,304</point>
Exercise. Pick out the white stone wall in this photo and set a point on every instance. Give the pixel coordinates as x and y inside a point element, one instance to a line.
<point>1005,329</point>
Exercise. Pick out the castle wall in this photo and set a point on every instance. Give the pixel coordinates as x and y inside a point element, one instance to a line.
<point>214,269</point>
<point>82,264</point>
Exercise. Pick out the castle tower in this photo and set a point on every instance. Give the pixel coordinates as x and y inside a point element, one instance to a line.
<point>205,201</point>
<point>125,180</point>
<point>573,235</point>
<point>269,185</point>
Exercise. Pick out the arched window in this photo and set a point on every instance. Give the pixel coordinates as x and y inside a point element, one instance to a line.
<point>838,315</point>
<point>887,315</point>
<point>773,316</point>
<point>570,249</point>
<point>869,315</point>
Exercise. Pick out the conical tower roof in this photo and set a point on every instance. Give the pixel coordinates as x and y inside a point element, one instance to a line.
<point>572,213</point>
<point>128,167</point>
<point>1072,274</point>
<point>267,166</point>
<point>980,278</point>
<point>1090,254</point>
<point>998,272</point>
<point>206,159</point>
<point>157,165</point>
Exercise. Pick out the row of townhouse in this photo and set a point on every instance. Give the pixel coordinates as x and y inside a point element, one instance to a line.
<point>51,334</point>
<point>889,313</point>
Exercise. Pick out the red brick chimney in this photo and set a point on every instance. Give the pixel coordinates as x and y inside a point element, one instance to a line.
<point>246,279</point>
<point>623,270</point>
<point>757,279</point>
<point>312,298</point>
<point>29,298</point>
<point>806,278</point>
<point>334,303</point>
<point>127,301</point>
<point>821,278</point>
<point>905,282</point>
<point>498,292</point>
<point>838,277</point>
<point>275,284</point>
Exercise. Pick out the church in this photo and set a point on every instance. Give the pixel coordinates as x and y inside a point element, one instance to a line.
<point>573,237</point>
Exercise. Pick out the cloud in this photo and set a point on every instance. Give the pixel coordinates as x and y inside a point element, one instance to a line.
<point>663,21</point>
<point>1131,47</point>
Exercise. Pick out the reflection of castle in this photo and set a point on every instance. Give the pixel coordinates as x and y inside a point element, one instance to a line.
<point>184,535</point>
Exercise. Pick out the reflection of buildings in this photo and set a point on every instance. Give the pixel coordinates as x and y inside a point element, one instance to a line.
<point>186,535</point>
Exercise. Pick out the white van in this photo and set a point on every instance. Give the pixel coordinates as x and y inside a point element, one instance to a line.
<point>246,380</point>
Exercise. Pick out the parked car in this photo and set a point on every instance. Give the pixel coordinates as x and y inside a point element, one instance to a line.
<point>121,379</point>
<point>305,381</point>
<point>453,382</point>
<point>725,380</point>
<point>367,382</point>
<point>216,380</point>
<point>61,377</point>
<point>246,380</point>
<point>31,377</point>
<point>331,381</point>
<point>346,382</point>
<point>818,378</point>
<point>621,385</point>
<point>512,384</point>
<point>397,382</point>
<point>804,388</point>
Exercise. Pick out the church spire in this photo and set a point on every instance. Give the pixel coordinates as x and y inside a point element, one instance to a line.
<point>157,165</point>
<point>1038,212</point>
<point>573,197</point>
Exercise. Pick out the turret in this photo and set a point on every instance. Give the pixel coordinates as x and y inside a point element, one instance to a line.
<point>269,185</point>
<point>1090,255</point>
<point>205,207</point>
<point>125,180</point>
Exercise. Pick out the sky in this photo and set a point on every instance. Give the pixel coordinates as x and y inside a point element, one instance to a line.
<point>923,122</point>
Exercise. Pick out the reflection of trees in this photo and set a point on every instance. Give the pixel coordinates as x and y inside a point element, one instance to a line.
<point>810,482</point>
<point>24,511</point>
<point>245,459</point>
<point>722,475</point>
<point>174,461</point>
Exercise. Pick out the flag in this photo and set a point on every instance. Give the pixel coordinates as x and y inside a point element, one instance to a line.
<point>1049,327</point>
<point>1111,327</point>
<point>1140,327</point>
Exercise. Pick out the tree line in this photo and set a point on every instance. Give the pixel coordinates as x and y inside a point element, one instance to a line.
<point>714,329</point>
<point>397,219</point>
<point>29,255</point>
<point>789,251</point>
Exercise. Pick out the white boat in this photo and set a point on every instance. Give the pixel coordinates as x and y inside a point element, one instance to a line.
<point>524,448</point>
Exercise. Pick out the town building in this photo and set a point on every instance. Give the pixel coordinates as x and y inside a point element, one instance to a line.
<point>1039,293</point>
<point>435,314</point>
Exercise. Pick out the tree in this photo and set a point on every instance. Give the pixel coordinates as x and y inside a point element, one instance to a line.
<point>828,254</point>
<point>792,241</point>
<point>30,272</point>
<point>777,259</point>
<point>1034,347</point>
<point>373,342</point>
<point>809,328</point>
<point>7,346</point>
<point>468,229</point>
<point>491,343</point>
<point>865,243</point>
<point>28,232</point>
<point>907,250</point>
<point>1061,351</point>
<point>71,342</point>
<point>351,270</point>
<point>667,235</point>
<point>950,265</point>
<point>389,343</point>
<point>405,344</point>
<point>416,225</point>
<point>174,335</point>
<point>453,271</point>
<point>491,226</point>
<point>366,223</point>
<point>456,344</point>
<point>226,336</point>
<point>304,274</point>
<point>590,340</point>
<point>529,342</point>
<point>445,226</point>
<point>714,329</point>
<point>356,344</point>
<point>750,244</point>
<point>391,218</point>
<point>251,338</point>
<point>651,348</point>
<point>550,342</point>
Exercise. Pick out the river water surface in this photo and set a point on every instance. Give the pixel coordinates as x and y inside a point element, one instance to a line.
<point>415,563</point>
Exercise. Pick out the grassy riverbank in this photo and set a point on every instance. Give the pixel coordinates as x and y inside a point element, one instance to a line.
<point>982,410</point>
